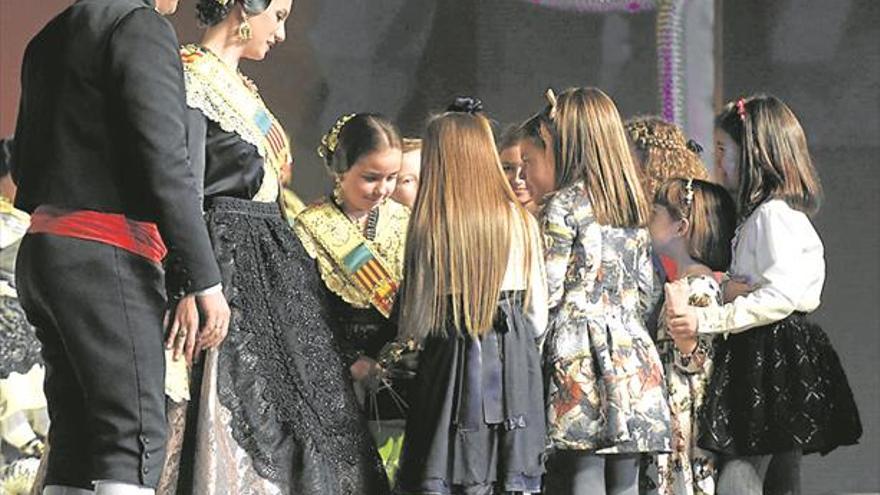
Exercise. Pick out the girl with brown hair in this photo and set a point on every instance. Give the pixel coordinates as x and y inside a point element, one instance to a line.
<point>692,224</point>
<point>356,235</point>
<point>606,401</point>
<point>475,297</point>
<point>778,389</point>
<point>510,153</point>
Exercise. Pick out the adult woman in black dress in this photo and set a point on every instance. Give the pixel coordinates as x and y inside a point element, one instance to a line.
<point>273,410</point>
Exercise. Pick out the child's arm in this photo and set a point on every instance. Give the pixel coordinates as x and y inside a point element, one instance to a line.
<point>650,285</point>
<point>734,288</point>
<point>693,361</point>
<point>691,354</point>
<point>790,261</point>
<point>560,230</point>
<point>538,309</point>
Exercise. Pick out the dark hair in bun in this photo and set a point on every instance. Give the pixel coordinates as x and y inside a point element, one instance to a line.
<point>212,12</point>
<point>466,104</point>
<point>356,136</point>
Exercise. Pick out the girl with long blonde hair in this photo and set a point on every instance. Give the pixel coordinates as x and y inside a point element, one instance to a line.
<point>474,296</point>
<point>606,399</point>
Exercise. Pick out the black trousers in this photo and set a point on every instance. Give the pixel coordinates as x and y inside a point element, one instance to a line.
<point>98,312</point>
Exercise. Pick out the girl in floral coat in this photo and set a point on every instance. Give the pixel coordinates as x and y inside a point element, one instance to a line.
<point>606,401</point>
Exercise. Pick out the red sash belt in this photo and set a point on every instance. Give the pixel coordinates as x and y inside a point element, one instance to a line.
<point>140,238</point>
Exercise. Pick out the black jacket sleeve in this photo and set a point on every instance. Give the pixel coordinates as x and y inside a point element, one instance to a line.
<point>197,126</point>
<point>145,66</point>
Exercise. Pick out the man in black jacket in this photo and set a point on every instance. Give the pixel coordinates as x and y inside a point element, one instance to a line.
<point>100,161</point>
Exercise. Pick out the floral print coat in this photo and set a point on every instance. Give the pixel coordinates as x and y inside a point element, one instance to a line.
<point>605,382</point>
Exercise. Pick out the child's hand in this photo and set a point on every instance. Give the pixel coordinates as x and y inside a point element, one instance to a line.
<point>686,345</point>
<point>734,288</point>
<point>363,368</point>
<point>683,325</point>
<point>681,318</point>
<point>677,295</point>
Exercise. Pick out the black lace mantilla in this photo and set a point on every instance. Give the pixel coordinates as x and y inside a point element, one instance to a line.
<point>19,347</point>
<point>280,372</point>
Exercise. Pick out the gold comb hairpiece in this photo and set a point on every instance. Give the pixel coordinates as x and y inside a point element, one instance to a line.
<point>330,141</point>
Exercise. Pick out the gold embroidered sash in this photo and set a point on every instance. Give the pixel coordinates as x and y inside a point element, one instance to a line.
<point>329,235</point>
<point>233,102</point>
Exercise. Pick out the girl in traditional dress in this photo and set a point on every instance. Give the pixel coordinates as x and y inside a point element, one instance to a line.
<point>356,236</point>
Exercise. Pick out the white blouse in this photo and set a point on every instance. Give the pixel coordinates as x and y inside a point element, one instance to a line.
<point>778,252</point>
<point>516,278</point>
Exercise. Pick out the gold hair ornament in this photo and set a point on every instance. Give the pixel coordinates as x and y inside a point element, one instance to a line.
<point>330,141</point>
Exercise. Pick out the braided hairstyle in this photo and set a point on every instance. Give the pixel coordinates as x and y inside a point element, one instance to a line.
<point>662,152</point>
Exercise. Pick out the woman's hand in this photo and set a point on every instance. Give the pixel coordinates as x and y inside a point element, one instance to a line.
<point>183,329</point>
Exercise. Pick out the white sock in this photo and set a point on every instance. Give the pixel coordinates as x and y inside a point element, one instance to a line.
<point>109,487</point>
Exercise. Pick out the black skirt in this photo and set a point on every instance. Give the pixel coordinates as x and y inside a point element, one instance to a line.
<point>279,370</point>
<point>775,389</point>
<point>476,422</point>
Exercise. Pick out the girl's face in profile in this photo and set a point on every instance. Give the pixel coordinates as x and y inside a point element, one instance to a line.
<point>727,155</point>
<point>665,230</point>
<point>408,179</point>
<point>539,166</point>
<point>267,29</point>
<point>512,164</point>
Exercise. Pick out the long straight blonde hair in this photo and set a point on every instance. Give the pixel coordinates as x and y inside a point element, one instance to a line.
<point>590,145</point>
<point>460,230</point>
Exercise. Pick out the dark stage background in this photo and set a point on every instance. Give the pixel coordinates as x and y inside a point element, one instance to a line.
<point>406,58</point>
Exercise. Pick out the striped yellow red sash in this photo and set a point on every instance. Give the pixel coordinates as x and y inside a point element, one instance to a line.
<point>351,253</point>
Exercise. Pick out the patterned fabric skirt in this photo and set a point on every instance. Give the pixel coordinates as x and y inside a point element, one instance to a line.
<point>775,389</point>
<point>688,469</point>
<point>610,398</point>
<point>476,419</point>
<point>275,412</point>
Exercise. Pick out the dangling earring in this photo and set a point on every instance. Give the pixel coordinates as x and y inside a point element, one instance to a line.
<point>244,30</point>
<point>337,191</point>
